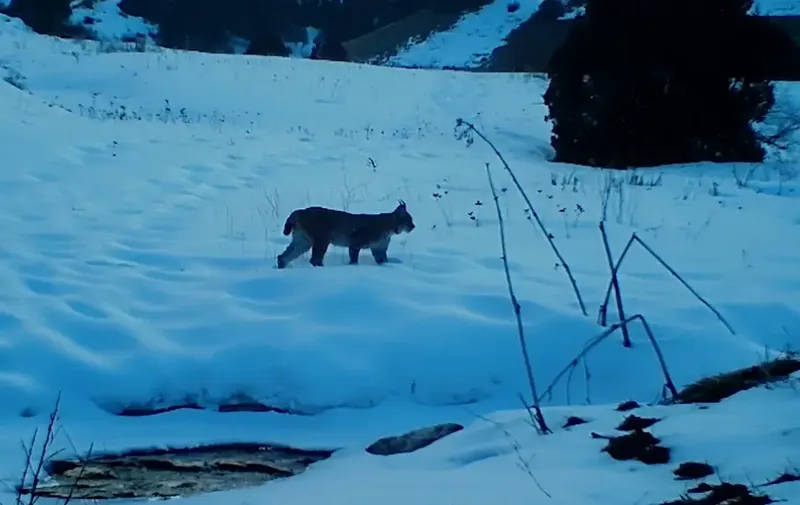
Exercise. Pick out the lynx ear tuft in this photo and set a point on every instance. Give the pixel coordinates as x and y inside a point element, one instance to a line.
<point>401,203</point>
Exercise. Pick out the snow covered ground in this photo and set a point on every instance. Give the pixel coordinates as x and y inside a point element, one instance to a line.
<point>777,7</point>
<point>143,200</point>
<point>471,40</point>
<point>108,22</point>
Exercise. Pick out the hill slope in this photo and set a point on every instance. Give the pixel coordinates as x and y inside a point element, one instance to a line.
<point>465,45</point>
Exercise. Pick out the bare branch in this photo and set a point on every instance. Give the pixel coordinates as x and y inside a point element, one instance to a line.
<point>685,284</point>
<point>541,424</point>
<point>600,338</point>
<point>626,338</point>
<point>28,451</point>
<point>51,427</point>
<point>523,463</point>
<point>635,238</point>
<point>79,477</point>
<point>602,313</point>
<point>461,123</point>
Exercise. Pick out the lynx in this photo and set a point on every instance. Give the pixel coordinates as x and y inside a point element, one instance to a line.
<point>316,228</point>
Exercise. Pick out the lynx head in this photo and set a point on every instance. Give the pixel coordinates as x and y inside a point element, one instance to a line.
<point>402,219</point>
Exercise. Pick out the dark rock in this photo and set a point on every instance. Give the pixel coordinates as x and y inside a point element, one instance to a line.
<point>574,421</point>
<point>633,422</point>
<point>693,470</point>
<point>724,494</point>
<point>626,406</point>
<point>703,487</point>
<point>413,440</point>
<point>638,445</point>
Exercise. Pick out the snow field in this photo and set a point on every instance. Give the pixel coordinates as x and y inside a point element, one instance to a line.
<point>154,271</point>
<point>143,199</point>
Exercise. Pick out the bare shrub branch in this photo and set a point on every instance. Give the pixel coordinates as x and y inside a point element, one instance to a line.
<point>460,124</point>
<point>540,422</point>
<point>36,472</point>
<point>602,313</point>
<point>600,338</point>
<point>781,126</point>
<point>46,444</point>
<point>522,462</point>
<point>626,338</point>
<point>635,238</point>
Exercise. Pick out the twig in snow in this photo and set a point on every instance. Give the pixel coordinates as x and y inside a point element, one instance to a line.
<point>588,376</point>
<point>599,338</point>
<point>36,473</point>
<point>626,338</point>
<point>523,463</point>
<point>48,441</point>
<point>541,424</point>
<point>635,238</point>
<point>470,127</point>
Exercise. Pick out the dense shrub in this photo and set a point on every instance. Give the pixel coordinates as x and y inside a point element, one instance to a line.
<point>651,82</point>
<point>550,10</point>
<point>208,25</point>
<point>48,17</point>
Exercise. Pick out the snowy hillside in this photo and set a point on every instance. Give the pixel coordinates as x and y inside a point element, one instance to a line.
<point>465,45</point>
<point>108,22</point>
<point>476,35</point>
<point>144,196</point>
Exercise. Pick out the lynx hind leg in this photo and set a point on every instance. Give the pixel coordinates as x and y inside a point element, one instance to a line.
<point>379,251</point>
<point>296,248</point>
<point>318,250</point>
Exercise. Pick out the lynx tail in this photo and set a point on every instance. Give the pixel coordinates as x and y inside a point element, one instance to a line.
<point>287,227</point>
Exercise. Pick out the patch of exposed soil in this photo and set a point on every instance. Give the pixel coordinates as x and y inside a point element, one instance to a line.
<point>574,421</point>
<point>637,445</point>
<point>693,470</point>
<point>723,494</point>
<point>634,422</point>
<point>235,403</point>
<point>162,473</point>
<point>717,388</point>
<point>627,405</point>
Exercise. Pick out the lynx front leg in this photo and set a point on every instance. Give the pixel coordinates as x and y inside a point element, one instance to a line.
<point>379,251</point>
<point>354,252</point>
<point>296,248</point>
<point>318,250</point>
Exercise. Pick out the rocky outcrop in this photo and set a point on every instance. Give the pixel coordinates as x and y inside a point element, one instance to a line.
<point>413,440</point>
<point>163,473</point>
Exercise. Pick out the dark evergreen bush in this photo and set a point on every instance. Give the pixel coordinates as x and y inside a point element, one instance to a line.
<point>49,17</point>
<point>652,82</point>
<point>550,10</point>
<point>208,25</point>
